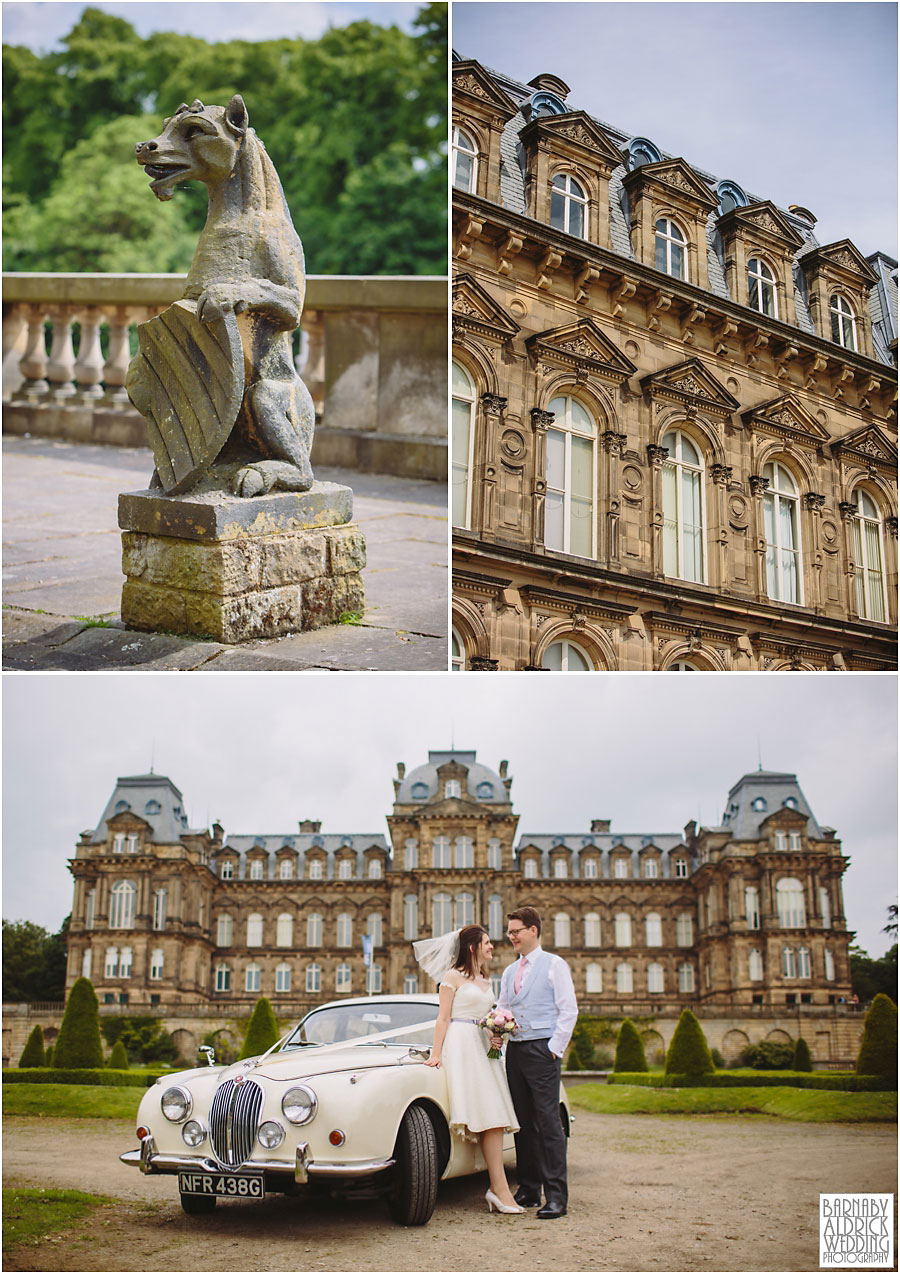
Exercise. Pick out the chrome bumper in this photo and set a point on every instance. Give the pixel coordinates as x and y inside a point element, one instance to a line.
<point>148,1159</point>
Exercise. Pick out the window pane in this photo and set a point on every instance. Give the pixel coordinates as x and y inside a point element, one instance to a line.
<point>670,524</point>
<point>577,661</point>
<point>692,547</point>
<point>557,210</point>
<point>553,657</point>
<point>660,254</point>
<point>553,521</point>
<point>461,419</point>
<point>576,219</point>
<point>462,385</point>
<point>581,501</point>
<point>677,262</point>
<point>463,175</point>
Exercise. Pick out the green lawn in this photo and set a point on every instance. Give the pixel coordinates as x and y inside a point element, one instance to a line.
<point>809,1105</point>
<point>71,1101</point>
<point>29,1215</point>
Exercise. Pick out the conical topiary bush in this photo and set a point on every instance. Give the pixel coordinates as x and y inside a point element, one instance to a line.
<point>689,1053</point>
<point>78,1044</point>
<point>629,1049</point>
<point>262,1031</point>
<point>118,1058</point>
<point>802,1060</point>
<point>878,1050</point>
<point>33,1052</point>
<point>48,1055</point>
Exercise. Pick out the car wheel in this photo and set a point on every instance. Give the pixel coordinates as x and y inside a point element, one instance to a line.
<point>414,1183</point>
<point>197,1204</point>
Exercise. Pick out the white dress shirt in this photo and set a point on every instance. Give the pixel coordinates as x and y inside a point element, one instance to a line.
<point>563,994</point>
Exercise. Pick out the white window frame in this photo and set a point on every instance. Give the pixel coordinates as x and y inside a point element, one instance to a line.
<point>457,651</point>
<point>90,906</point>
<point>345,869</point>
<point>343,933</point>
<point>590,868</point>
<point>829,965</point>
<point>653,929</point>
<point>157,960</point>
<point>111,962</point>
<point>871,596</point>
<point>775,496</point>
<point>463,852</point>
<point>788,963</point>
<point>463,144</point>
<point>686,978</point>
<point>655,978</point>
<point>282,978</point>
<point>284,930</point>
<point>313,979</point>
<point>674,519</point>
<point>440,852</point>
<point>790,901</point>
<point>803,963</point>
<point>494,854</point>
<point>562,424</point>
<point>314,929</point>
<point>343,978</point>
<point>495,924</point>
<point>755,965</point>
<point>843,323</point>
<point>464,392</point>
<point>410,855</point>
<point>751,906</point>
<point>410,984</point>
<point>256,869</point>
<point>562,930</point>
<point>560,869</point>
<point>374,869</point>
<point>252,978</point>
<point>286,869</point>
<point>569,191</point>
<point>223,977</point>
<point>622,929</point>
<point>684,929</point>
<point>825,906</point>
<point>121,905</point>
<point>530,869</point>
<point>567,646</point>
<point>226,870</point>
<point>624,979</point>
<point>316,869</point>
<point>254,930</point>
<point>670,235</point>
<point>592,930</point>
<point>681,869</point>
<point>159,909</point>
<point>374,928</point>
<point>463,909</point>
<point>224,929</point>
<point>441,914</point>
<point>763,279</point>
<point>593,979</point>
<point>410,917</point>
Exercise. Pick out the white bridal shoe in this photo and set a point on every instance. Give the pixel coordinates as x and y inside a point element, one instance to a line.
<point>494,1204</point>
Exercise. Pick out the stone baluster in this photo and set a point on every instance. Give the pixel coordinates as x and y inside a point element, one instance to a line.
<point>312,352</point>
<point>89,363</point>
<point>15,337</point>
<point>118,354</point>
<point>61,364</point>
<point>33,364</point>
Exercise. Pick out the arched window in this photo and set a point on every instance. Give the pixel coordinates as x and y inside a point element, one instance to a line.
<point>223,977</point>
<point>462,856</point>
<point>562,930</point>
<point>531,869</point>
<point>314,929</point>
<point>495,917</point>
<point>623,929</point>
<point>159,909</point>
<point>457,652</point>
<point>118,846</point>
<point>640,151</point>
<point>565,656</point>
<point>464,910</point>
<point>592,929</point>
<point>760,804</point>
<point>825,907</point>
<point>843,322</point>
<point>156,964</point>
<point>669,245</point>
<point>465,160</point>
<point>316,869</point>
<point>560,869</point>
<point>788,963</point>
<point>593,979</point>
<point>755,965</point>
<point>782,530</point>
<point>829,966</point>
<point>224,930</point>
<point>624,982</point>
<point>410,917</point>
<point>284,930</point>
<point>111,962</point>
<point>868,554</point>
<point>684,929</point>
<point>570,475</point>
<point>374,869</point>
<point>345,869</point>
<point>410,855</point>
<point>790,904</point>
<point>125,962</point>
<point>493,854</point>
<point>313,979</point>
<point>344,935</point>
<point>251,978</point>
<point>343,978</point>
<point>682,499</point>
<point>282,978</point>
<point>419,791</point>
<point>440,915</point>
<point>286,869</point>
<point>682,665</point>
<point>655,981</point>
<point>254,930</point>
<point>730,196</point>
<point>803,963</point>
<point>761,288</point>
<point>685,978</point>
<point>440,851</point>
<point>590,868</point>
<point>374,928</point>
<point>751,906</point>
<point>653,926</point>
<point>121,905</point>
<point>568,205</point>
<point>463,443</point>
<point>544,103</point>
<point>86,963</point>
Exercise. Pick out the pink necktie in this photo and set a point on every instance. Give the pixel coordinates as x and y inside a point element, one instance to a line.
<point>517,985</point>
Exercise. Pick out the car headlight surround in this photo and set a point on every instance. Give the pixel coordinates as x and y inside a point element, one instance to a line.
<point>270,1134</point>
<point>299,1105</point>
<point>176,1104</point>
<point>193,1133</point>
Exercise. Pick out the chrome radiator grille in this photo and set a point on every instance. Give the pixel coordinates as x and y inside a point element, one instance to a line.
<point>233,1119</point>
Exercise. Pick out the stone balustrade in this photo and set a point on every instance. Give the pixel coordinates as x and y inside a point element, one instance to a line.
<point>373,352</point>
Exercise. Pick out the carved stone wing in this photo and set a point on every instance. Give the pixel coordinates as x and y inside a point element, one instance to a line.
<point>187,381</point>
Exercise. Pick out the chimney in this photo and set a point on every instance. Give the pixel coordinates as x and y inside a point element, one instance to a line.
<point>600,824</point>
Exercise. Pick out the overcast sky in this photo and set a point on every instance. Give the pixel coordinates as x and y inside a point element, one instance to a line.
<point>40,25</point>
<point>797,103</point>
<point>260,752</point>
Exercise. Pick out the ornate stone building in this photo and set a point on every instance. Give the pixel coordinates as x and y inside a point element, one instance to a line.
<point>740,921</point>
<point>674,411</point>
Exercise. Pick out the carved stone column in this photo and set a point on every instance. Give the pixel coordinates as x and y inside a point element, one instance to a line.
<point>540,423</point>
<point>655,457</point>
<point>718,530</point>
<point>61,364</point>
<point>613,445</point>
<point>758,488</point>
<point>484,475</point>
<point>815,503</point>
<point>33,364</point>
<point>848,513</point>
<point>89,363</point>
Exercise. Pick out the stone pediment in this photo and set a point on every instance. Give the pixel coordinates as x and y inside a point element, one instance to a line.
<point>577,127</point>
<point>786,416</point>
<point>690,382</point>
<point>583,346</point>
<point>471,80</point>
<point>762,216</point>
<point>474,310</point>
<point>870,445</point>
<point>127,818</point>
<point>844,256</point>
<point>678,176</point>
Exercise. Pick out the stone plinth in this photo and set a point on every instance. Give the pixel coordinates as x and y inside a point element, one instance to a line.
<point>214,565</point>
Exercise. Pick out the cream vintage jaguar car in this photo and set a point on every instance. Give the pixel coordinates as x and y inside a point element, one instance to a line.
<point>342,1101</point>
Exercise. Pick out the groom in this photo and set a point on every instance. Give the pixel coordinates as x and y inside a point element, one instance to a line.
<point>538,991</point>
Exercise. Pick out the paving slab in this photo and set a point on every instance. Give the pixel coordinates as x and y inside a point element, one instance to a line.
<point>62,567</point>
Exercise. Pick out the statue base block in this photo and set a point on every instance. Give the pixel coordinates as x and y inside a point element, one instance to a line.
<point>219,566</point>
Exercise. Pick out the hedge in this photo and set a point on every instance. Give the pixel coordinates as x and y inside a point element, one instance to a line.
<point>841,1081</point>
<point>112,1079</point>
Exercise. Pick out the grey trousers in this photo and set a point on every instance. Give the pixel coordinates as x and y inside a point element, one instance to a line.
<point>533,1074</point>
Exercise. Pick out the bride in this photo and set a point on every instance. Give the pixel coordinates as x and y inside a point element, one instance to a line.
<point>481,1108</point>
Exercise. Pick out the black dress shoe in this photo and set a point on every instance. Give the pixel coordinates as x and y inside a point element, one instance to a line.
<point>526,1200</point>
<point>550,1211</point>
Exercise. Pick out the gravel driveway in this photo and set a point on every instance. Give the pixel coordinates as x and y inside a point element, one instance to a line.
<point>646,1193</point>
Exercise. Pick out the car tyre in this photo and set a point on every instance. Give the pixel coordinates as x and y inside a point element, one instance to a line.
<point>413,1191</point>
<point>197,1204</point>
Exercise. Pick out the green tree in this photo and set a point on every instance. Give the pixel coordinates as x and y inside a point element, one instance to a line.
<point>770,1055</point>
<point>582,1046</point>
<point>142,1037</point>
<point>878,1049</point>
<point>33,1052</point>
<point>801,1060</point>
<point>78,1044</point>
<point>629,1049</point>
<point>48,1055</point>
<point>688,1053</point>
<point>34,962</point>
<point>262,1031</point>
<point>870,977</point>
<point>118,1058</point>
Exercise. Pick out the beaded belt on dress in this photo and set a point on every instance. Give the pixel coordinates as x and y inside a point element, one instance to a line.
<point>473,1020</point>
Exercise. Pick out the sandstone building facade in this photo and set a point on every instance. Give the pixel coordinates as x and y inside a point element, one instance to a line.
<point>674,411</point>
<point>743,921</point>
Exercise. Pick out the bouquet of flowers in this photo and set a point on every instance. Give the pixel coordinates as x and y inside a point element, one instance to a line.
<point>498,1022</point>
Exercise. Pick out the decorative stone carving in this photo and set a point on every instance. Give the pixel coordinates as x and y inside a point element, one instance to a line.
<point>493,404</point>
<point>891,524</point>
<point>656,455</point>
<point>721,474</point>
<point>541,420</point>
<point>847,510</point>
<point>614,443</point>
<point>813,501</point>
<point>758,484</point>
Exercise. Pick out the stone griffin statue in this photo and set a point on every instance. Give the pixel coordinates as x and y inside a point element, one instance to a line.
<point>214,376</point>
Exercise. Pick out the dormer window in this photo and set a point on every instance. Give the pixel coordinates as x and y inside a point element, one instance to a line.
<point>465,160</point>
<point>620,869</point>
<point>485,791</point>
<point>345,869</point>
<point>419,791</point>
<point>843,323</point>
<point>256,869</point>
<point>544,104</point>
<point>152,807</point>
<point>640,151</point>
<point>122,805</point>
<point>451,789</point>
<point>226,870</point>
<point>790,802</point>
<point>681,868</point>
<point>316,871</point>
<point>730,197</point>
<point>567,205</point>
<point>759,804</point>
<point>133,843</point>
<point>761,288</point>
<point>651,869</point>
<point>118,846</point>
<point>286,869</point>
<point>669,247</point>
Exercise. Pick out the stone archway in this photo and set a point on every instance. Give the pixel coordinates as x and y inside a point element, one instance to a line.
<point>654,1047</point>
<point>778,1036</point>
<point>733,1044</point>
<point>185,1044</point>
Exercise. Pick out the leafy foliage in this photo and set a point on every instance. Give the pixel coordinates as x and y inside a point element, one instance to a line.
<point>143,1039</point>
<point>34,962</point>
<point>355,123</point>
<point>629,1049</point>
<point>582,1047</point>
<point>801,1060</point>
<point>768,1056</point>
<point>688,1054</point>
<point>78,1043</point>
<point>878,1050</point>
<point>870,977</point>
<point>262,1032</point>
<point>33,1052</point>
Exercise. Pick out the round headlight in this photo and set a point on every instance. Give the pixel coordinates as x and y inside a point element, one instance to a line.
<point>176,1104</point>
<point>270,1134</point>
<point>193,1133</point>
<point>299,1105</point>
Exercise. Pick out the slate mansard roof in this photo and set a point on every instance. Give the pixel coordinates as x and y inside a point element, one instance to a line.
<point>578,843</point>
<point>482,784</point>
<point>152,797</point>
<point>300,844</point>
<point>755,797</point>
<point>883,296</point>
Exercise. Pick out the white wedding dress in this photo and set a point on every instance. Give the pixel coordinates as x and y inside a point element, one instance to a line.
<point>478,1091</point>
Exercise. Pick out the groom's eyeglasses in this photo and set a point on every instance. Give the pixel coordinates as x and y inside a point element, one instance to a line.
<point>511,933</point>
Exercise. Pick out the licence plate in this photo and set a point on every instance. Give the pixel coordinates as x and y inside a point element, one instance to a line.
<point>223,1184</point>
